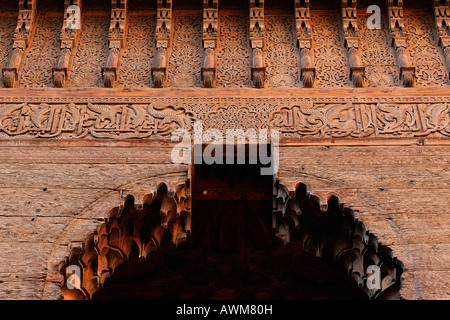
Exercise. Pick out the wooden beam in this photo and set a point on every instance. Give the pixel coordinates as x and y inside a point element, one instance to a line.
<point>398,41</point>
<point>162,38</point>
<point>21,39</point>
<point>116,39</point>
<point>257,43</point>
<point>304,42</point>
<point>210,33</point>
<point>70,34</point>
<point>351,41</point>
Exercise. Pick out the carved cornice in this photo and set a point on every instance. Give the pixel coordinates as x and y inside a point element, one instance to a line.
<point>304,41</point>
<point>116,39</point>
<point>162,38</point>
<point>257,43</point>
<point>442,22</point>
<point>398,41</point>
<point>22,33</point>
<point>351,40</point>
<point>70,34</point>
<point>210,32</point>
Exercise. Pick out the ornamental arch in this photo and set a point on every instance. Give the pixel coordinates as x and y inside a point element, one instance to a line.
<point>143,251</point>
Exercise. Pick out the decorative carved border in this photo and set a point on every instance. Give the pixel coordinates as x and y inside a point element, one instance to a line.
<point>142,117</point>
<point>160,117</point>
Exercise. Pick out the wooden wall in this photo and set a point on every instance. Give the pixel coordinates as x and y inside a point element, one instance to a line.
<point>54,193</point>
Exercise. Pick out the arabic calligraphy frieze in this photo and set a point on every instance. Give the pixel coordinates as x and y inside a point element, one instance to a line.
<point>91,121</point>
<point>302,120</point>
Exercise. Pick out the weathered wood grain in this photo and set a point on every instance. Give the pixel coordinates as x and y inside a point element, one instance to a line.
<point>55,194</point>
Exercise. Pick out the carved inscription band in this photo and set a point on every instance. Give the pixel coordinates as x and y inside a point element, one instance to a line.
<point>302,120</point>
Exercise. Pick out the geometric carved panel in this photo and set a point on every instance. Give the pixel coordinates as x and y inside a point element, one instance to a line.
<point>136,61</point>
<point>282,59</point>
<point>91,53</point>
<point>233,59</point>
<point>423,51</point>
<point>185,61</point>
<point>330,59</point>
<point>8,24</point>
<point>42,54</point>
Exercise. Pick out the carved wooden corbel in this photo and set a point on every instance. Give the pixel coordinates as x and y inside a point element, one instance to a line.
<point>70,34</point>
<point>210,28</point>
<point>116,38</point>
<point>21,38</point>
<point>163,33</point>
<point>351,39</point>
<point>304,40</point>
<point>257,42</point>
<point>442,19</point>
<point>398,41</point>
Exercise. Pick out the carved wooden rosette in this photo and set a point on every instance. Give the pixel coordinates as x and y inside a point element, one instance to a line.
<point>210,28</point>
<point>70,34</point>
<point>329,230</point>
<point>304,40</point>
<point>442,20</point>
<point>116,39</point>
<point>351,40</point>
<point>257,43</point>
<point>162,38</point>
<point>398,41</point>
<point>25,25</point>
<point>131,230</point>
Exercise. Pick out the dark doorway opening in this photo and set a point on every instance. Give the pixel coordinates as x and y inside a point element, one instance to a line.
<point>232,205</point>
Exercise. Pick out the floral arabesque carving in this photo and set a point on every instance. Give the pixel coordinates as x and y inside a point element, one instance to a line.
<point>424,54</point>
<point>233,57</point>
<point>91,54</point>
<point>138,55</point>
<point>42,53</point>
<point>282,56</point>
<point>185,61</point>
<point>377,55</point>
<point>330,58</point>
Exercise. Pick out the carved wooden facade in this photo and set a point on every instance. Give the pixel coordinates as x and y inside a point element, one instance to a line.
<point>331,53</point>
<point>135,72</point>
